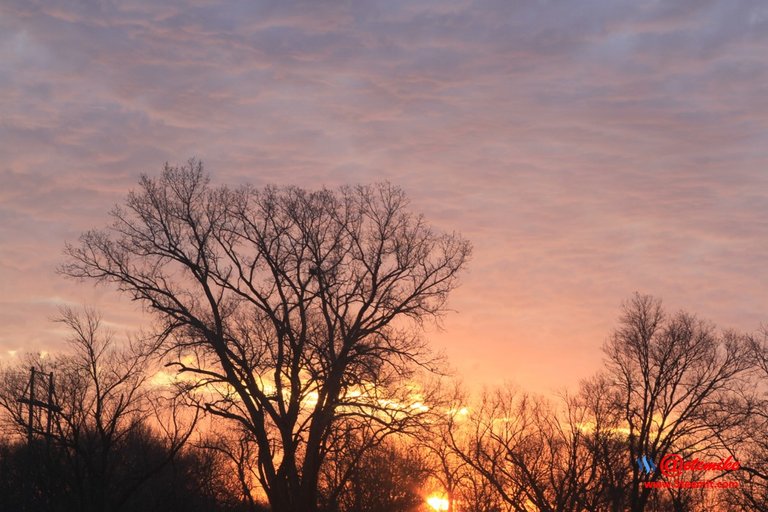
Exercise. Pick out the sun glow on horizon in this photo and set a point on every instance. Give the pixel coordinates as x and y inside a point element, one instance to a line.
<point>438,502</point>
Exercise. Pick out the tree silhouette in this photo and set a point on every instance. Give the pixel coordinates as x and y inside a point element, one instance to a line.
<point>676,382</point>
<point>286,307</point>
<point>384,477</point>
<point>672,384</point>
<point>111,433</point>
<point>752,451</point>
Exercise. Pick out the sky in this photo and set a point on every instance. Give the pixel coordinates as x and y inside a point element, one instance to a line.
<point>588,150</point>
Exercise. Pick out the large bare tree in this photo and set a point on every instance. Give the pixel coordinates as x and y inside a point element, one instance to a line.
<point>286,308</point>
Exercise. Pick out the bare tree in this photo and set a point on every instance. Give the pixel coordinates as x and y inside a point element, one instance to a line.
<point>104,406</point>
<point>530,454</point>
<point>672,384</point>
<point>286,306</point>
<point>463,486</point>
<point>237,448</point>
<point>677,383</point>
<point>366,473</point>
<point>752,452</point>
<point>492,440</point>
<point>353,436</point>
<point>602,444</point>
<point>448,469</point>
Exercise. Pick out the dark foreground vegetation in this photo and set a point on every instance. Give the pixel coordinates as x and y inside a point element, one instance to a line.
<point>284,370</point>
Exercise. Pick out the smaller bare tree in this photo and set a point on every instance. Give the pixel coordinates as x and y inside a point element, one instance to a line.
<point>752,452</point>
<point>533,454</point>
<point>677,383</point>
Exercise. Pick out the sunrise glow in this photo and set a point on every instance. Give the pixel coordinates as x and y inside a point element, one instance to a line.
<point>438,502</point>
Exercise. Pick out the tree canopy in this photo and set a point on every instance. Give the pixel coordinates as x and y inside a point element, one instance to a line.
<point>285,309</point>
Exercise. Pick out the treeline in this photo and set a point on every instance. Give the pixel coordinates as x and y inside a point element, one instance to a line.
<point>141,475</point>
<point>672,384</point>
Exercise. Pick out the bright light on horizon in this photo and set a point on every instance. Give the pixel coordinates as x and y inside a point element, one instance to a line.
<point>438,502</point>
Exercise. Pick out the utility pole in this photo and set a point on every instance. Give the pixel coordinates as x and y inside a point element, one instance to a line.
<point>49,419</point>
<point>35,410</point>
<point>36,407</point>
<point>30,422</point>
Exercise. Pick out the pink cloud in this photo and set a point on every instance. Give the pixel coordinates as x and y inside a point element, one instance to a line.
<point>587,151</point>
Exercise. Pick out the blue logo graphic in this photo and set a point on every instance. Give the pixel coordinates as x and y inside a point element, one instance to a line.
<point>647,464</point>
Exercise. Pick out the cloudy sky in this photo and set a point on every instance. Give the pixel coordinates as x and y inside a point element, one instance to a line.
<point>589,149</point>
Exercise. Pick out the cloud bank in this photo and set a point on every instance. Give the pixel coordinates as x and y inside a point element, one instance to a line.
<point>588,149</point>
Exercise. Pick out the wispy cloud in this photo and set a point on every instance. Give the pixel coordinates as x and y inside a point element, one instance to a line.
<point>588,149</point>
